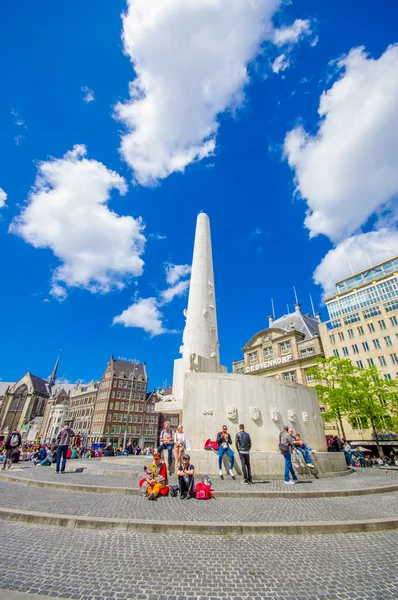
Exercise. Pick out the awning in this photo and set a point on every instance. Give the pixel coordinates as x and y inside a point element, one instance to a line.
<point>373,443</point>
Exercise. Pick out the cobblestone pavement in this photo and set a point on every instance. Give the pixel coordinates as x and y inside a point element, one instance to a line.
<point>218,510</point>
<point>98,565</point>
<point>102,476</point>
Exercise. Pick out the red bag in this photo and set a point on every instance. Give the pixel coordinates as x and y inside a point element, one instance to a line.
<point>203,491</point>
<point>209,445</point>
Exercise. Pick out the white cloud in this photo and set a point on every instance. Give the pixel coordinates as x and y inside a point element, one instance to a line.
<point>354,254</point>
<point>88,94</point>
<point>190,58</point>
<point>177,290</point>
<point>144,314</point>
<point>348,170</point>
<point>67,212</point>
<point>3,198</point>
<point>292,34</point>
<point>176,272</point>
<point>281,63</point>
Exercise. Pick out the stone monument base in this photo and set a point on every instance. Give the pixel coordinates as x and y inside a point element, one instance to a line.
<point>269,465</point>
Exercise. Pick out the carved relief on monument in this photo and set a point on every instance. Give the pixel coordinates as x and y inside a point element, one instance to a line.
<point>255,413</point>
<point>275,415</point>
<point>292,416</point>
<point>207,411</point>
<point>193,362</point>
<point>205,313</point>
<point>232,412</point>
<point>305,416</point>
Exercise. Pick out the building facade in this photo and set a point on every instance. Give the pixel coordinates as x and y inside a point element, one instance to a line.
<point>123,410</point>
<point>363,325</point>
<point>81,408</point>
<point>286,349</point>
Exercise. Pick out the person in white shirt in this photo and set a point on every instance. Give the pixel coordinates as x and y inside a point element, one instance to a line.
<point>179,445</point>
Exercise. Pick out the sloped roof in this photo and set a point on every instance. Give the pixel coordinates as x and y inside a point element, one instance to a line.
<point>40,385</point>
<point>126,369</point>
<point>4,385</point>
<point>301,322</point>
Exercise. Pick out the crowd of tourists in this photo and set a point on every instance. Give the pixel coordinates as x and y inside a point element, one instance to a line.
<point>297,454</point>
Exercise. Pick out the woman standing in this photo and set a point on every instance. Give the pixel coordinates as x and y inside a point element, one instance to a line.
<point>179,445</point>
<point>224,441</point>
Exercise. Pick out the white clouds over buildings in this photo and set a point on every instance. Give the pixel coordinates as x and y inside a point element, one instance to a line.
<point>191,59</point>
<point>347,171</point>
<point>67,212</point>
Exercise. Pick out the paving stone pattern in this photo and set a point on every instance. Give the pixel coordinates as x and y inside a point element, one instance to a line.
<point>98,565</point>
<point>217,510</point>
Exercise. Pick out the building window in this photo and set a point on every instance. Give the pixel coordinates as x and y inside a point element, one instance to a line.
<point>253,357</point>
<point>382,324</point>
<point>394,321</point>
<point>322,409</point>
<point>352,319</point>
<point>382,361</point>
<point>376,344</point>
<point>350,333</point>
<point>359,364</point>
<point>393,305</point>
<point>114,417</point>
<point>309,377</point>
<point>332,340</point>
<point>118,429</point>
<point>285,346</point>
<point>117,405</point>
<point>109,417</point>
<point>113,394</point>
<point>355,349</point>
<point>114,383</point>
<point>371,312</point>
<point>307,352</point>
<point>289,376</point>
<point>113,429</point>
<point>387,376</point>
<point>118,395</point>
<point>345,351</point>
<point>335,324</point>
<point>341,336</point>
<point>388,341</point>
<point>336,353</point>
<point>371,328</point>
<point>365,346</point>
<point>268,351</point>
<point>360,330</point>
<point>106,430</point>
<point>370,361</point>
<point>394,358</point>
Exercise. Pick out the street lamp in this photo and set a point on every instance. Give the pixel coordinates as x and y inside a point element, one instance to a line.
<point>129,404</point>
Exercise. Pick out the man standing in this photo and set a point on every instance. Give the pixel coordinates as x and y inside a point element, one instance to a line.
<point>243,444</point>
<point>167,442</point>
<point>286,444</point>
<point>63,438</point>
<point>12,444</point>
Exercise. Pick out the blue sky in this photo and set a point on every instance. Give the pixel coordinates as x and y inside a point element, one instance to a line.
<point>100,189</point>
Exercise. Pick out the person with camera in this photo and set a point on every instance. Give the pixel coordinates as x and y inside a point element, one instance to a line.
<point>186,473</point>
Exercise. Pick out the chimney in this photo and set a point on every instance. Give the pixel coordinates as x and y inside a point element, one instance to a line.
<point>270,321</point>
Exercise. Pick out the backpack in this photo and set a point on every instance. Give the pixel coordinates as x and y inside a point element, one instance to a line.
<point>211,445</point>
<point>14,441</point>
<point>203,491</point>
<point>174,490</point>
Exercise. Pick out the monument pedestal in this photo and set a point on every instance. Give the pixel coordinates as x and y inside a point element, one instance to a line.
<point>266,465</point>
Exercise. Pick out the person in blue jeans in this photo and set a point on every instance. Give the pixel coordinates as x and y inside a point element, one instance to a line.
<point>63,438</point>
<point>286,443</point>
<point>224,446</point>
<point>301,446</point>
<point>167,443</point>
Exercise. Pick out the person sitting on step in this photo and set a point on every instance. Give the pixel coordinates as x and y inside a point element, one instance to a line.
<point>156,478</point>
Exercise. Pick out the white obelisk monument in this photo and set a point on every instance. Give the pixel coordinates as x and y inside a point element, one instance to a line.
<point>206,396</point>
<point>200,347</point>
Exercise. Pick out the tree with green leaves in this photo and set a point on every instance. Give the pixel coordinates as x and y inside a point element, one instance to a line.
<point>371,397</point>
<point>331,373</point>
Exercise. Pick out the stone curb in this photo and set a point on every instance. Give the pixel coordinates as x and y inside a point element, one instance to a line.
<point>291,493</point>
<point>204,527</point>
